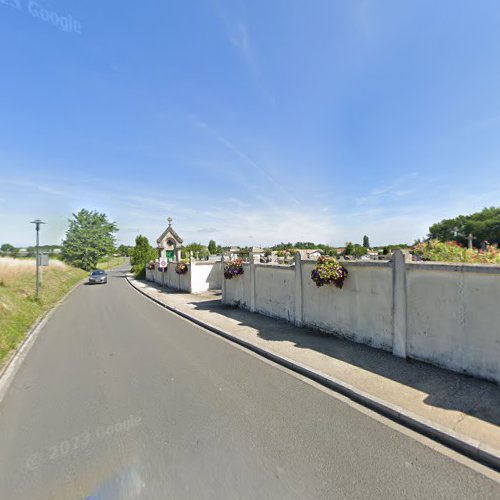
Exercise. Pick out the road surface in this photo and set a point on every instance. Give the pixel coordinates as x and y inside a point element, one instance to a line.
<point>121,399</point>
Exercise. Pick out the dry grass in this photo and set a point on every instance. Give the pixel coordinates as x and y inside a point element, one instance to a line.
<point>11,269</point>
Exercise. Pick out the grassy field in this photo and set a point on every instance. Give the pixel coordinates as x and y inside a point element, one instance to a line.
<point>110,262</point>
<point>18,307</point>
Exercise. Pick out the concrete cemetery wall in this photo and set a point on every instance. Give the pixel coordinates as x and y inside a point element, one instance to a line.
<point>200,277</point>
<point>454,317</point>
<point>361,310</point>
<point>445,314</point>
<point>236,291</point>
<point>206,276</point>
<point>279,285</point>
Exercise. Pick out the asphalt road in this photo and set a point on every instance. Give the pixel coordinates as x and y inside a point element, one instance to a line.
<point>120,399</point>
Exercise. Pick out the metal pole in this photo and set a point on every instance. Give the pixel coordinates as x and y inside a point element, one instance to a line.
<point>37,223</point>
<point>37,260</point>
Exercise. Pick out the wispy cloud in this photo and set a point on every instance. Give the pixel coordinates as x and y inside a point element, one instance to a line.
<point>237,33</point>
<point>44,188</point>
<point>244,157</point>
<point>397,188</point>
<point>238,36</point>
<point>364,16</point>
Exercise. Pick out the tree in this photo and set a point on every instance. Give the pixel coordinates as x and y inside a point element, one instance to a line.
<point>212,247</point>
<point>89,238</point>
<point>7,248</point>
<point>199,251</point>
<point>484,226</point>
<point>359,250</point>
<point>305,245</point>
<point>141,254</point>
<point>366,241</point>
<point>349,248</point>
<point>123,250</point>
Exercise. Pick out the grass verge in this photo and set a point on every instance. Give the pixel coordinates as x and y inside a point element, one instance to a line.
<point>110,262</point>
<point>19,309</point>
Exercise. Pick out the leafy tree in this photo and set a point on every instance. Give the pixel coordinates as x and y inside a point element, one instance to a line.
<point>330,251</point>
<point>305,245</point>
<point>123,250</point>
<point>90,237</point>
<point>212,247</point>
<point>199,251</point>
<point>359,250</point>
<point>349,248</point>
<point>484,226</point>
<point>141,254</point>
<point>282,246</point>
<point>366,241</point>
<point>7,248</point>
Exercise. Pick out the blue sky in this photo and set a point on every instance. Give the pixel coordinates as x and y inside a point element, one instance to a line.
<point>249,122</point>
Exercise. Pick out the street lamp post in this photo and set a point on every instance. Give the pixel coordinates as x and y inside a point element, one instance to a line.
<point>37,223</point>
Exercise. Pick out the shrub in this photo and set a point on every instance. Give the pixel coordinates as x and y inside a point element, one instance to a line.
<point>328,272</point>
<point>451,251</point>
<point>233,268</point>
<point>139,271</point>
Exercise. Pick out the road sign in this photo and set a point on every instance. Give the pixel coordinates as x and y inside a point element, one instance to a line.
<point>163,262</point>
<point>43,259</point>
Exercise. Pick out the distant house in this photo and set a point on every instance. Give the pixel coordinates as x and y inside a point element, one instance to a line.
<point>234,252</point>
<point>311,254</point>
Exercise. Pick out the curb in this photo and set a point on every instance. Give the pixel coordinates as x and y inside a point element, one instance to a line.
<point>469,447</point>
<point>15,360</point>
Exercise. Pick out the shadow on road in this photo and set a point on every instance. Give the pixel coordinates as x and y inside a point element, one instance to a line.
<point>444,389</point>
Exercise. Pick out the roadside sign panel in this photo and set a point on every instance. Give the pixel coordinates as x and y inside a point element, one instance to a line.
<point>163,262</point>
<point>43,259</point>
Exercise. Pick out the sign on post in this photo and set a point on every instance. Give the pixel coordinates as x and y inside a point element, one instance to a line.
<point>43,259</point>
<point>163,262</point>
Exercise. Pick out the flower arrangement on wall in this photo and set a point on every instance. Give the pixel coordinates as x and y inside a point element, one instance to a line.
<point>151,265</point>
<point>181,268</point>
<point>233,268</point>
<point>329,272</point>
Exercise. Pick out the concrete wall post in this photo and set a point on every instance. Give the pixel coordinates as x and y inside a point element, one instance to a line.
<point>299,308</point>
<point>191,271</point>
<point>223,297</point>
<point>399,304</point>
<point>252,282</point>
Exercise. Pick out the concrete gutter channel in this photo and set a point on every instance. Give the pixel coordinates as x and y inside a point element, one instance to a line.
<point>469,447</point>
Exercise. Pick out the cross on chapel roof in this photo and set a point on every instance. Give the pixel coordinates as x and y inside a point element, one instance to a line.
<point>169,232</point>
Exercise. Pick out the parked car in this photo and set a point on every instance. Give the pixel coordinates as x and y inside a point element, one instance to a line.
<point>98,276</point>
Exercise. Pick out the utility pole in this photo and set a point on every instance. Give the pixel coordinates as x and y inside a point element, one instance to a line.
<point>37,223</point>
